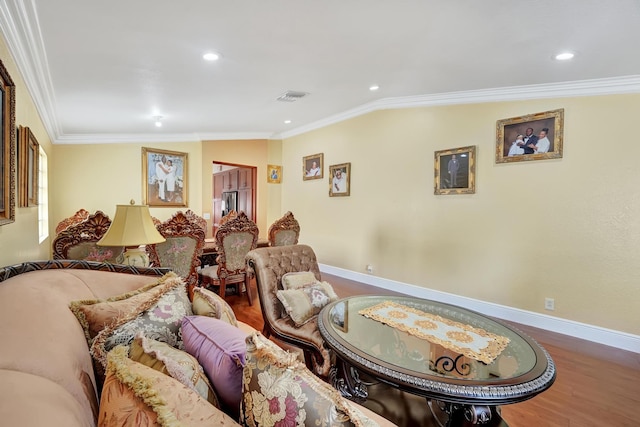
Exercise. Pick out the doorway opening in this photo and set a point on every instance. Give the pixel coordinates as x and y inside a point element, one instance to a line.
<point>234,188</point>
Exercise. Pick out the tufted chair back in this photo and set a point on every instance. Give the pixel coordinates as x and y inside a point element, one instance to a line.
<point>268,265</point>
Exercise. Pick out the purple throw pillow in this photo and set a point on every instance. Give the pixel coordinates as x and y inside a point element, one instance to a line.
<point>221,350</point>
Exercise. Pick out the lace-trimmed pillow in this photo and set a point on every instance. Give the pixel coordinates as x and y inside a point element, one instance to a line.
<point>298,279</point>
<point>207,303</point>
<point>279,390</point>
<point>135,394</point>
<point>176,363</point>
<point>94,315</point>
<point>304,303</point>
<point>159,318</point>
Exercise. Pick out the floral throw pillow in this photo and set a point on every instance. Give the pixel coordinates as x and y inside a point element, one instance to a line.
<point>159,318</point>
<point>278,390</point>
<point>298,279</point>
<point>304,303</point>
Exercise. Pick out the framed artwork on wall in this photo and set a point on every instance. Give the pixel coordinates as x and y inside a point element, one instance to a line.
<point>274,174</point>
<point>532,137</point>
<point>8,145</point>
<point>340,180</point>
<point>313,166</point>
<point>28,157</point>
<point>455,171</point>
<point>164,178</point>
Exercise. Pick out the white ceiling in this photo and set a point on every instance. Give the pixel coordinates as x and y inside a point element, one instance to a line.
<point>99,70</point>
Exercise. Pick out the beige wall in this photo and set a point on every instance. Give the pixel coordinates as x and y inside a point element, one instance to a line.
<point>101,176</point>
<point>566,229</point>
<point>19,240</point>
<point>253,152</point>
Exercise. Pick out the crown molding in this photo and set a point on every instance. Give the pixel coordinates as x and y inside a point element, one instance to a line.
<point>610,337</point>
<point>21,30</point>
<point>106,138</point>
<point>594,87</point>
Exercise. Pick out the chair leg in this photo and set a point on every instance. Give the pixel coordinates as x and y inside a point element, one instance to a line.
<point>247,281</point>
<point>223,288</point>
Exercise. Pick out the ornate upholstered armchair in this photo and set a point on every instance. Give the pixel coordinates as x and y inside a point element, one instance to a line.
<point>182,249</point>
<point>74,219</point>
<point>233,241</point>
<point>78,241</point>
<point>269,265</point>
<point>284,231</point>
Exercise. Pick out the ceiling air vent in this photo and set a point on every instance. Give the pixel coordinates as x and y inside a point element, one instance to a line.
<point>291,96</point>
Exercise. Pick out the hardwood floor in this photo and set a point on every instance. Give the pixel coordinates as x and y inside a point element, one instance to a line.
<point>596,385</point>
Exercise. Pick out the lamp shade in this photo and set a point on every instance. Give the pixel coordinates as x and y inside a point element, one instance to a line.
<point>132,226</point>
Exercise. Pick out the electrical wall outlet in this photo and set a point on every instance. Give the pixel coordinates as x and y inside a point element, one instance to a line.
<point>369,268</point>
<point>549,304</point>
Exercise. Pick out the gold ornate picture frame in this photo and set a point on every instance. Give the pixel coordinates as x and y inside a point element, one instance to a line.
<point>164,178</point>
<point>28,158</point>
<point>274,174</point>
<point>531,137</point>
<point>455,171</point>
<point>340,180</point>
<point>313,166</point>
<point>8,150</point>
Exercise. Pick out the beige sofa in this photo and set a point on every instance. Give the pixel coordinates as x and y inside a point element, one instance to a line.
<point>46,371</point>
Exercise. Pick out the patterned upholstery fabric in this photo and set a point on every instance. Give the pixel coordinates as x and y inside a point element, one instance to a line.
<point>236,246</point>
<point>177,253</point>
<point>278,390</point>
<point>78,241</point>
<point>284,231</point>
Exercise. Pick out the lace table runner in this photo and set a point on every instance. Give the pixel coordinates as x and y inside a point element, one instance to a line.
<point>467,340</point>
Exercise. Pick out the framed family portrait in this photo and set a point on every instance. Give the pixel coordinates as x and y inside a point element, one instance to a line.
<point>274,174</point>
<point>28,157</point>
<point>340,180</point>
<point>455,171</point>
<point>8,145</point>
<point>164,177</point>
<point>532,137</point>
<point>313,166</point>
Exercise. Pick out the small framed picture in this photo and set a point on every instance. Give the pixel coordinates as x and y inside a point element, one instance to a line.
<point>455,171</point>
<point>313,167</point>
<point>340,180</point>
<point>532,137</point>
<point>28,156</point>
<point>274,174</point>
<point>164,177</point>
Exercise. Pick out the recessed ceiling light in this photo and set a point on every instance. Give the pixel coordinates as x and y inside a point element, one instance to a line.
<point>211,56</point>
<point>157,121</point>
<point>564,56</point>
<point>374,87</point>
<point>287,121</point>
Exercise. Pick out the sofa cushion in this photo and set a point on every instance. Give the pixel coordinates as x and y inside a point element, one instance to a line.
<point>135,394</point>
<point>95,314</point>
<point>302,304</point>
<point>220,349</point>
<point>159,318</point>
<point>207,303</point>
<point>298,279</point>
<point>176,363</point>
<point>279,390</point>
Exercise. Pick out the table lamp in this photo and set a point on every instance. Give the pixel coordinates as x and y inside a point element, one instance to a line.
<point>131,227</point>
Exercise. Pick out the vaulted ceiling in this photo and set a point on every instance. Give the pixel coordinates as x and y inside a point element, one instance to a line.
<point>101,70</point>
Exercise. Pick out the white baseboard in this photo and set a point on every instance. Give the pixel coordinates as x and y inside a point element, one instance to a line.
<point>618,339</point>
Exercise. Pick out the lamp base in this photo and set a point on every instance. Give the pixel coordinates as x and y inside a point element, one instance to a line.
<point>135,257</point>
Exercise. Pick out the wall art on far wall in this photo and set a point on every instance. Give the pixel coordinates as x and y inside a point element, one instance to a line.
<point>455,171</point>
<point>340,180</point>
<point>313,166</point>
<point>7,148</point>
<point>164,178</point>
<point>274,174</point>
<point>532,137</point>
<point>28,158</point>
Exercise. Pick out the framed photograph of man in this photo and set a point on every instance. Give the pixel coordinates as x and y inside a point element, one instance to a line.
<point>274,174</point>
<point>340,180</point>
<point>532,137</point>
<point>313,166</point>
<point>164,177</point>
<point>455,171</point>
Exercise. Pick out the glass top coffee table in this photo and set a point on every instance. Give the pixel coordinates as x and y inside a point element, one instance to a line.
<point>465,364</point>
